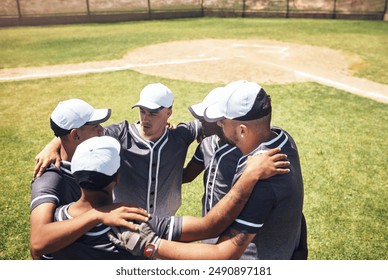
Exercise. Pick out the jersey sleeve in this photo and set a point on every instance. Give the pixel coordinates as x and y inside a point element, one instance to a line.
<point>47,188</point>
<point>190,131</point>
<point>257,209</point>
<point>198,155</point>
<point>117,131</point>
<point>169,227</point>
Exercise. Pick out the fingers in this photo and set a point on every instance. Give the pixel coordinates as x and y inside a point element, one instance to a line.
<point>131,208</point>
<point>131,221</point>
<point>39,169</point>
<point>36,171</point>
<point>278,157</point>
<point>282,171</point>
<point>131,226</point>
<point>41,166</point>
<point>137,217</point>
<point>273,151</point>
<point>136,214</point>
<point>282,167</point>
<point>282,163</point>
<point>117,215</point>
<point>58,162</point>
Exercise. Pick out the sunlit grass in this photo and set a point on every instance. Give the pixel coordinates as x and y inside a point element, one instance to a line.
<point>341,137</point>
<point>62,44</point>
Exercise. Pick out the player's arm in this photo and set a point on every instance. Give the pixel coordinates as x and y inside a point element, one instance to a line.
<point>229,207</point>
<point>147,243</point>
<point>47,236</point>
<point>49,154</point>
<point>194,167</point>
<point>191,171</point>
<point>231,245</point>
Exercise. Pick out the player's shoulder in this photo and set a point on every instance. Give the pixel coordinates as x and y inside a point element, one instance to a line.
<point>51,173</point>
<point>191,130</point>
<point>184,125</point>
<point>120,130</point>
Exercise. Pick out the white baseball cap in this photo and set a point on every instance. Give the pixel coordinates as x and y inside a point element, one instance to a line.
<point>155,96</point>
<point>246,101</point>
<point>96,160</point>
<point>74,113</point>
<point>214,96</point>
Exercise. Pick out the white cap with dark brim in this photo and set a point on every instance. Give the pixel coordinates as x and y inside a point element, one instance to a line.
<point>246,101</point>
<point>214,96</point>
<point>99,154</point>
<point>96,162</point>
<point>74,113</point>
<point>155,97</point>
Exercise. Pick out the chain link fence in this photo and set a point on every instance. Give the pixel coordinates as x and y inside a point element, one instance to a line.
<point>40,12</point>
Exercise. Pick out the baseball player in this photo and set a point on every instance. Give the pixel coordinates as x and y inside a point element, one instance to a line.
<point>152,155</point>
<point>217,158</point>
<point>95,167</point>
<point>72,121</point>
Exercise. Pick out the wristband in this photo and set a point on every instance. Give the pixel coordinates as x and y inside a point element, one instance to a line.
<point>151,248</point>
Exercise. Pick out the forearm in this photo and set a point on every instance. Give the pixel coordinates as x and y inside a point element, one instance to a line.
<point>170,250</point>
<point>191,171</point>
<point>222,214</point>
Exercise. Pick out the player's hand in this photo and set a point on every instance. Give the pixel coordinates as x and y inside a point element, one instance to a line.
<point>144,243</point>
<point>122,215</point>
<point>267,164</point>
<point>49,154</point>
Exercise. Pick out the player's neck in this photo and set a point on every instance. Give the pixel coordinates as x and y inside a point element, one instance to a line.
<point>90,200</point>
<point>66,152</point>
<point>264,136</point>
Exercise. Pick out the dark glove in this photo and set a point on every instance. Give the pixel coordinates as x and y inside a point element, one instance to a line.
<point>143,243</point>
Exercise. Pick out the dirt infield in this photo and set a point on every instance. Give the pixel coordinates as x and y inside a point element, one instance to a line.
<point>222,61</point>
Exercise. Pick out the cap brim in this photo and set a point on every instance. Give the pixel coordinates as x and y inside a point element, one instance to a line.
<point>147,105</point>
<point>214,113</point>
<point>197,110</point>
<point>100,116</point>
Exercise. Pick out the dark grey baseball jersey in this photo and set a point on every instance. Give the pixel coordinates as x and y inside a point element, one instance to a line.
<point>151,172</point>
<point>220,161</point>
<point>95,244</point>
<point>274,209</point>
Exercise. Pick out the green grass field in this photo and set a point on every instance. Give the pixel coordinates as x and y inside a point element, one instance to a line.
<point>342,138</point>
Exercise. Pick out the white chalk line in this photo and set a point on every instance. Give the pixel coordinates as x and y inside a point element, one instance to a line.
<point>343,86</point>
<point>319,79</point>
<point>332,83</point>
<point>102,69</point>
